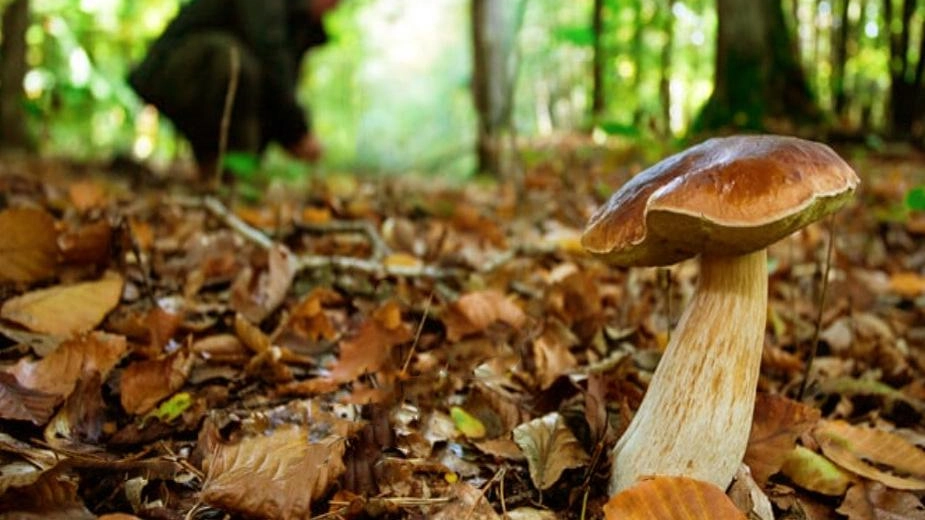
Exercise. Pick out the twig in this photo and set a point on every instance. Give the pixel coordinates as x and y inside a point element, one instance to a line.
<point>230,94</point>
<point>380,248</point>
<point>814,346</point>
<point>252,234</point>
<point>417,334</point>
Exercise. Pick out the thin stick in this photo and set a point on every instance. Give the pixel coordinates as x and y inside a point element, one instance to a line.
<point>417,334</point>
<point>822,291</point>
<point>230,94</point>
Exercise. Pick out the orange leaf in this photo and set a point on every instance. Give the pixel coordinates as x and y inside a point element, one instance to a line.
<point>907,284</point>
<point>144,383</point>
<point>28,245</point>
<point>671,498</point>
<point>86,195</point>
<point>273,476</point>
<point>58,372</point>
<point>370,349</point>
<point>475,311</point>
<point>858,449</point>
<point>65,310</point>
<point>777,424</point>
<point>873,501</point>
<point>308,317</point>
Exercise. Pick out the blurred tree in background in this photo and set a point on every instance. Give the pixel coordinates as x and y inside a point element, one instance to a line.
<point>414,85</point>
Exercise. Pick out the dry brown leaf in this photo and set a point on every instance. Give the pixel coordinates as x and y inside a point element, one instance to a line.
<point>275,476</point>
<point>874,501</point>
<point>551,354</point>
<point>467,502</point>
<point>671,498</point>
<point>858,449</point>
<point>812,471</point>
<point>251,335</point>
<point>748,496</point>
<point>52,497</point>
<point>58,372</point>
<point>550,448</point>
<point>777,424</point>
<point>24,404</point>
<point>89,244</point>
<point>308,318</point>
<point>144,383</point>
<point>371,349</point>
<point>118,516</point>
<point>475,311</point>
<point>221,348</point>
<point>907,284</point>
<point>28,245</point>
<point>256,297</point>
<point>86,195</point>
<point>65,310</point>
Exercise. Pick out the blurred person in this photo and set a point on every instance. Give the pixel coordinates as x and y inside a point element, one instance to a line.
<point>188,70</point>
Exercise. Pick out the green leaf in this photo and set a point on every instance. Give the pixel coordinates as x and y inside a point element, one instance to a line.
<point>172,408</point>
<point>242,164</point>
<point>469,425</point>
<point>581,36</point>
<point>915,199</point>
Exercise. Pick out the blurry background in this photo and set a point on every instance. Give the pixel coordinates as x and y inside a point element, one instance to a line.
<point>394,90</point>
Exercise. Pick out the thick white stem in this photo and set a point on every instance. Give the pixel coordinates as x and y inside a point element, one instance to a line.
<point>697,413</point>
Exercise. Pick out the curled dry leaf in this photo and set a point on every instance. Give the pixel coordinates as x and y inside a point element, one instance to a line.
<point>89,244</point>
<point>28,245</point>
<point>777,424</point>
<point>308,318</point>
<point>859,449</point>
<point>24,404</point>
<point>874,501</point>
<point>65,310</point>
<point>257,296</point>
<point>671,498</point>
<point>551,354</point>
<point>748,496</point>
<point>812,471</point>
<point>467,501</point>
<point>275,476</point>
<point>371,348</point>
<point>144,383</point>
<point>550,448</point>
<point>58,372</point>
<point>475,311</point>
<point>52,497</point>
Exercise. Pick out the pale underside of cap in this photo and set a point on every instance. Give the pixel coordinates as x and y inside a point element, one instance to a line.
<point>725,196</point>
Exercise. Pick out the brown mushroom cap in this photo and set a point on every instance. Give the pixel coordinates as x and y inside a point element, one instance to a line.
<point>725,196</point>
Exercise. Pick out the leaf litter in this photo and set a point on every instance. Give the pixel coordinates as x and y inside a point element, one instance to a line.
<point>409,349</point>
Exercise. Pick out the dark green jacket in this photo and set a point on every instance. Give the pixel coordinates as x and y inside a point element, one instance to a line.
<point>277,32</point>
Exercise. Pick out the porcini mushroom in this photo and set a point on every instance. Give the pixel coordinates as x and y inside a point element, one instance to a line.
<point>725,200</point>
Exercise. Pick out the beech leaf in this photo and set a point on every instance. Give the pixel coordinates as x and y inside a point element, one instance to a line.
<point>812,471</point>
<point>28,245</point>
<point>145,383</point>
<point>273,476</point>
<point>858,449</point>
<point>65,310</point>
<point>777,424</point>
<point>671,498</point>
<point>24,404</point>
<point>550,448</point>
<point>874,501</point>
<point>475,311</point>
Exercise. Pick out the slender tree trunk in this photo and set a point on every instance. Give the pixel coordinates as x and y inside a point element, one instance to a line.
<point>13,132</point>
<point>494,34</point>
<point>639,26</point>
<point>664,85</point>
<point>598,101</point>
<point>906,106</point>
<point>840,57</point>
<point>758,78</point>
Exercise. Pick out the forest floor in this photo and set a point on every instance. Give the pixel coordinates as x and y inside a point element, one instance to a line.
<point>404,348</point>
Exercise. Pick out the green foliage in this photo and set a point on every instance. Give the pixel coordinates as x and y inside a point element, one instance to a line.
<point>915,199</point>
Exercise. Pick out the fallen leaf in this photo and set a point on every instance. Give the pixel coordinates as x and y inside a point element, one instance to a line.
<point>467,501</point>
<point>308,318</point>
<point>145,383</point>
<point>812,471</point>
<point>671,498</point>
<point>550,448</point>
<point>401,260</point>
<point>52,497</point>
<point>907,284</point>
<point>86,195</point>
<point>529,513</point>
<point>58,372</point>
<point>90,244</point>
<point>858,449</point>
<point>273,476</point>
<point>748,496</point>
<point>24,404</point>
<point>551,354</point>
<point>65,310</point>
<point>80,420</point>
<point>371,348</point>
<point>466,423</point>
<point>874,501</point>
<point>256,297</point>
<point>28,245</point>
<point>475,311</point>
<point>777,424</point>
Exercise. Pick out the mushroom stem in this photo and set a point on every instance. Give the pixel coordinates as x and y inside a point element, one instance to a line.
<point>696,416</point>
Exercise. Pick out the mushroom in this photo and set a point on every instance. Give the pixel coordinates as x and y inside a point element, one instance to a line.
<point>726,200</point>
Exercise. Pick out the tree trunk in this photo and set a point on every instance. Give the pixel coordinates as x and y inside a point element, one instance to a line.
<point>13,68</point>
<point>906,107</point>
<point>598,101</point>
<point>664,86</point>
<point>758,78</point>
<point>839,58</point>
<point>494,34</point>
